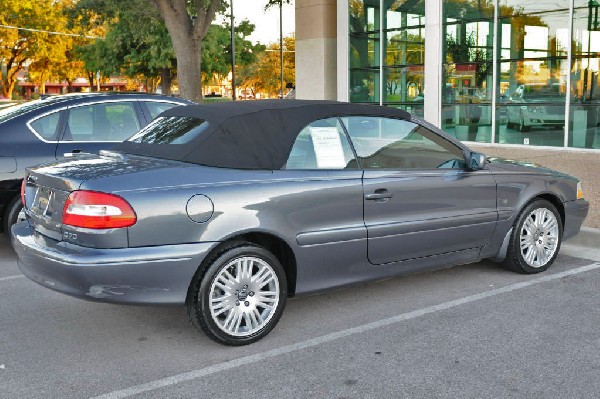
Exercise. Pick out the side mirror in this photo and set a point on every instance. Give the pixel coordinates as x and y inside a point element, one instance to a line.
<point>477,160</point>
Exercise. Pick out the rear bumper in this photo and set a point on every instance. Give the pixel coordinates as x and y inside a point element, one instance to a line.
<point>149,275</point>
<point>575,214</point>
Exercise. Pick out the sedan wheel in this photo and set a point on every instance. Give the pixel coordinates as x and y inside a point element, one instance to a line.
<point>241,296</point>
<point>14,214</point>
<point>535,239</point>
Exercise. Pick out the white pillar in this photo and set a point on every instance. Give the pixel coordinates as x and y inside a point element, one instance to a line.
<point>316,49</point>
<point>433,61</point>
<point>343,51</point>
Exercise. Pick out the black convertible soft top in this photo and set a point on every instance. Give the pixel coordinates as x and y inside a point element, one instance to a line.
<point>250,134</point>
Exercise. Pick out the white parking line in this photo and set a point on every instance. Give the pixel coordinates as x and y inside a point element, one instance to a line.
<point>11,277</point>
<point>192,375</point>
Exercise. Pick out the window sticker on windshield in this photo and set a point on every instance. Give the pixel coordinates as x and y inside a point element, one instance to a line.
<point>328,147</point>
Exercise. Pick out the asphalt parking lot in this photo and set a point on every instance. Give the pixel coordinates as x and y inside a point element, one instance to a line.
<point>468,331</point>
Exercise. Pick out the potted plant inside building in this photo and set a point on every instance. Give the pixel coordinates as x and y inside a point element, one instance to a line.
<point>469,65</point>
<point>468,121</point>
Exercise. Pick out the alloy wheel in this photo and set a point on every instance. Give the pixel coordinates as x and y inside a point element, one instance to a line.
<point>243,296</point>
<point>539,237</point>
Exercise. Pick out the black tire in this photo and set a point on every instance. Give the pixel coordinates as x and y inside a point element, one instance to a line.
<point>516,255</point>
<point>241,303</point>
<point>11,215</point>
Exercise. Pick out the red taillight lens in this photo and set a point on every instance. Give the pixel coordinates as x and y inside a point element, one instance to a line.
<point>23,183</point>
<point>95,210</point>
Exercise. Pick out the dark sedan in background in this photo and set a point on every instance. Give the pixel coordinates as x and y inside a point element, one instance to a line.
<point>72,124</point>
<point>230,208</point>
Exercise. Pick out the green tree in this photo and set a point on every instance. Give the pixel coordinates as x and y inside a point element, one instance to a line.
<point>187,22</point>
<point>19,47</point>
<point>264,75</point>
<point>216,50</point>
<point>136,42</point>
<point>53,59</point>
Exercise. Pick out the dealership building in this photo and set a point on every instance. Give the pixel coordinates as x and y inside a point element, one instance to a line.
<point>508,72</point>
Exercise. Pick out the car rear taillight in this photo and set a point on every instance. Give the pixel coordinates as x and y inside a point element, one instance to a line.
<point>95,210</point>
<point>23,190</point>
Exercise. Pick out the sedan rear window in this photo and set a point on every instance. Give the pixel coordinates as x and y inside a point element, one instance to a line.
<point>170,130</point>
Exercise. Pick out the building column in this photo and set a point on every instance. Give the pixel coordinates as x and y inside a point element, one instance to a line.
<point>316,49</point>
<point>433,62</point>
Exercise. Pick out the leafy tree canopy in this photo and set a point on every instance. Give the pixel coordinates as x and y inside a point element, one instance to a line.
<point>20,47</point>
<point>216,49</point>
<point>264,74</point>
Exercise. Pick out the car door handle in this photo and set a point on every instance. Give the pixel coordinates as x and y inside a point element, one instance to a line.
<point>381,194</point>
<point>75,153</point>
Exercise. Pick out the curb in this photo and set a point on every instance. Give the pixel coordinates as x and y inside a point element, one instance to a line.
<point>584,245</point>
<point>587,237</point>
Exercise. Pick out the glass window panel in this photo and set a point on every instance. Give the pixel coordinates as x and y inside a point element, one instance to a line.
<point>46,125</point>
<point>364,16</point>
<point>383,143</point>
<point>170,130</point>
<point>101,122</point>
<point>156,107</point>
<point>533,72</point>
<point>467,86</point>
<point>120,118</point>
<point>321,145</point>
<point>584,112</point>
<point>365,51</point>
<point>79,125</point>
<point>402,49</point>
<point>404,62</point>
<point>364,86</point>
<point>404,88</point>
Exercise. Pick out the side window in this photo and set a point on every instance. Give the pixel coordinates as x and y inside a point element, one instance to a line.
<point>122,120</point>
<point>384,143</point>
<point>101,122</point>
<point>156,108</point>
<point>321,145</point>
<point>46,126</point>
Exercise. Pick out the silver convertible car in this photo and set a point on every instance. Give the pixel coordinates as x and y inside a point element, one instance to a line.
<point>231,208</point>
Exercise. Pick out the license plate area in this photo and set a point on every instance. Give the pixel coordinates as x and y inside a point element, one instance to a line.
<point>42,204</point>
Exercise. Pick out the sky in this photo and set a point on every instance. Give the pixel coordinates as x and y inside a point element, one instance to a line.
<point>266,22</point>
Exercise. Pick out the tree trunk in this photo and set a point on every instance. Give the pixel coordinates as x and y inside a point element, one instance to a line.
<point>186,36</point>
<point>9,84</point>
<point>165,81</point>
<point>70,86</point>
<point>91,79</point>
<point>10,80</point>
<point>188,69</point>
<point>42,84</point>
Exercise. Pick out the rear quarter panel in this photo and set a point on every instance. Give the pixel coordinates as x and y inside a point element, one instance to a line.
<point>318,215</point>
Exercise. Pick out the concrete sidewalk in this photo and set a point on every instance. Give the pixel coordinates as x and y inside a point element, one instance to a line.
<point>584,245</point>
<point>583,165</point>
